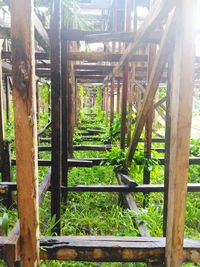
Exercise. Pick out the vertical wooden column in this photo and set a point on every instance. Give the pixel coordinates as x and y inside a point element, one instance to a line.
<point>149,121</point>
<point>24,96</point>
<point>167,143</point>
<point>106,102</point>
<point>2,132</point>
<point>7,89</point>
<point>37,101</point>
<point>118,95</point>
<point>111,103</point>
<point>64,118</point>
<point>181,111</point>
<point>128,9</point>
<point>56,174</point>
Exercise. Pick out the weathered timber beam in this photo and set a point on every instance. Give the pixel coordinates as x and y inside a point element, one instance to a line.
<point>100,56</point>
<point>131,204</point>
<point>112,249</point>
<point>152,86</point>
<point>125,188</point>
<point>103,36</point>
<point>41,33</point>
<point>11,249</point>
<point>157,14</point>
<point>71,162</point>
<point>24,100</point>
<point>38,55</point>
<point>129,186</point>
<point>160,102</point>
<point>180,128</point>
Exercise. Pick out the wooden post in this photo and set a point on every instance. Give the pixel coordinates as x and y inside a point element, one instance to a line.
<point>6,171</point>
<point>118,95</point>
<point>181,110</point>
<point>7,91</point>
<point>24,96</point>
<point>111,104</point>
<point>149,123</point>
<point>159,63</point>
<point>64,120</point>
<point>56,174</point>
<point>128,9</point>
<point>2,132</point>
<point>37,101</point>
<point>106,103</point>
<point>167,144</point>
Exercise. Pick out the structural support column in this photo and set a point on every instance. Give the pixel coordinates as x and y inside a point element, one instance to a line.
<point>128,9</point>
<point>24,96</point>
<point>181,114</point>
<point>56,174</point>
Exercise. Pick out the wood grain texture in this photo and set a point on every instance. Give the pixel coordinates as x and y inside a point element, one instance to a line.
<point>24,96</point>
<point>181,114</point>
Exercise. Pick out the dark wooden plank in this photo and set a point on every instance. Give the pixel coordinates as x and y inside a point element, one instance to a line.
<point>149,188</point>
<point>55,42</point>
<point>111,249</point>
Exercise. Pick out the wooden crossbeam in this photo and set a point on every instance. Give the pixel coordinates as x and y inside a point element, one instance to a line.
<point>152,86</point>
<point>127,187</point>
<point>111,249</point>
<point>157,15</point>
<point>100,56</point>
<point>41,33</point>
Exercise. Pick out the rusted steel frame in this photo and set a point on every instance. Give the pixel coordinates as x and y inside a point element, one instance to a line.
<point>56,175</point>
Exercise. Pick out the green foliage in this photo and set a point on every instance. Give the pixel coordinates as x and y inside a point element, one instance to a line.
<point>116,157</point>
<point>195,147</point>
<point>116,127</point>
<point>76,137</point>
<point>147,164</point>
<point>4,223</point>
<point>72,13</point>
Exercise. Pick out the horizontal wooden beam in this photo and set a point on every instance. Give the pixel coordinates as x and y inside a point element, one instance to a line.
<point>101,56</point>
<point>127,187</point>
<point>146,188</point>
<point>155,18</point>
<point>111,249</point>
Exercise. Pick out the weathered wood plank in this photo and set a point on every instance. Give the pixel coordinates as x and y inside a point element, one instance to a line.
<point>55,43</point>
<point>181,110</point>
<point>24,95</point>
<point>11,248</point>
<point>111,249</point>
<point>152,86</point>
